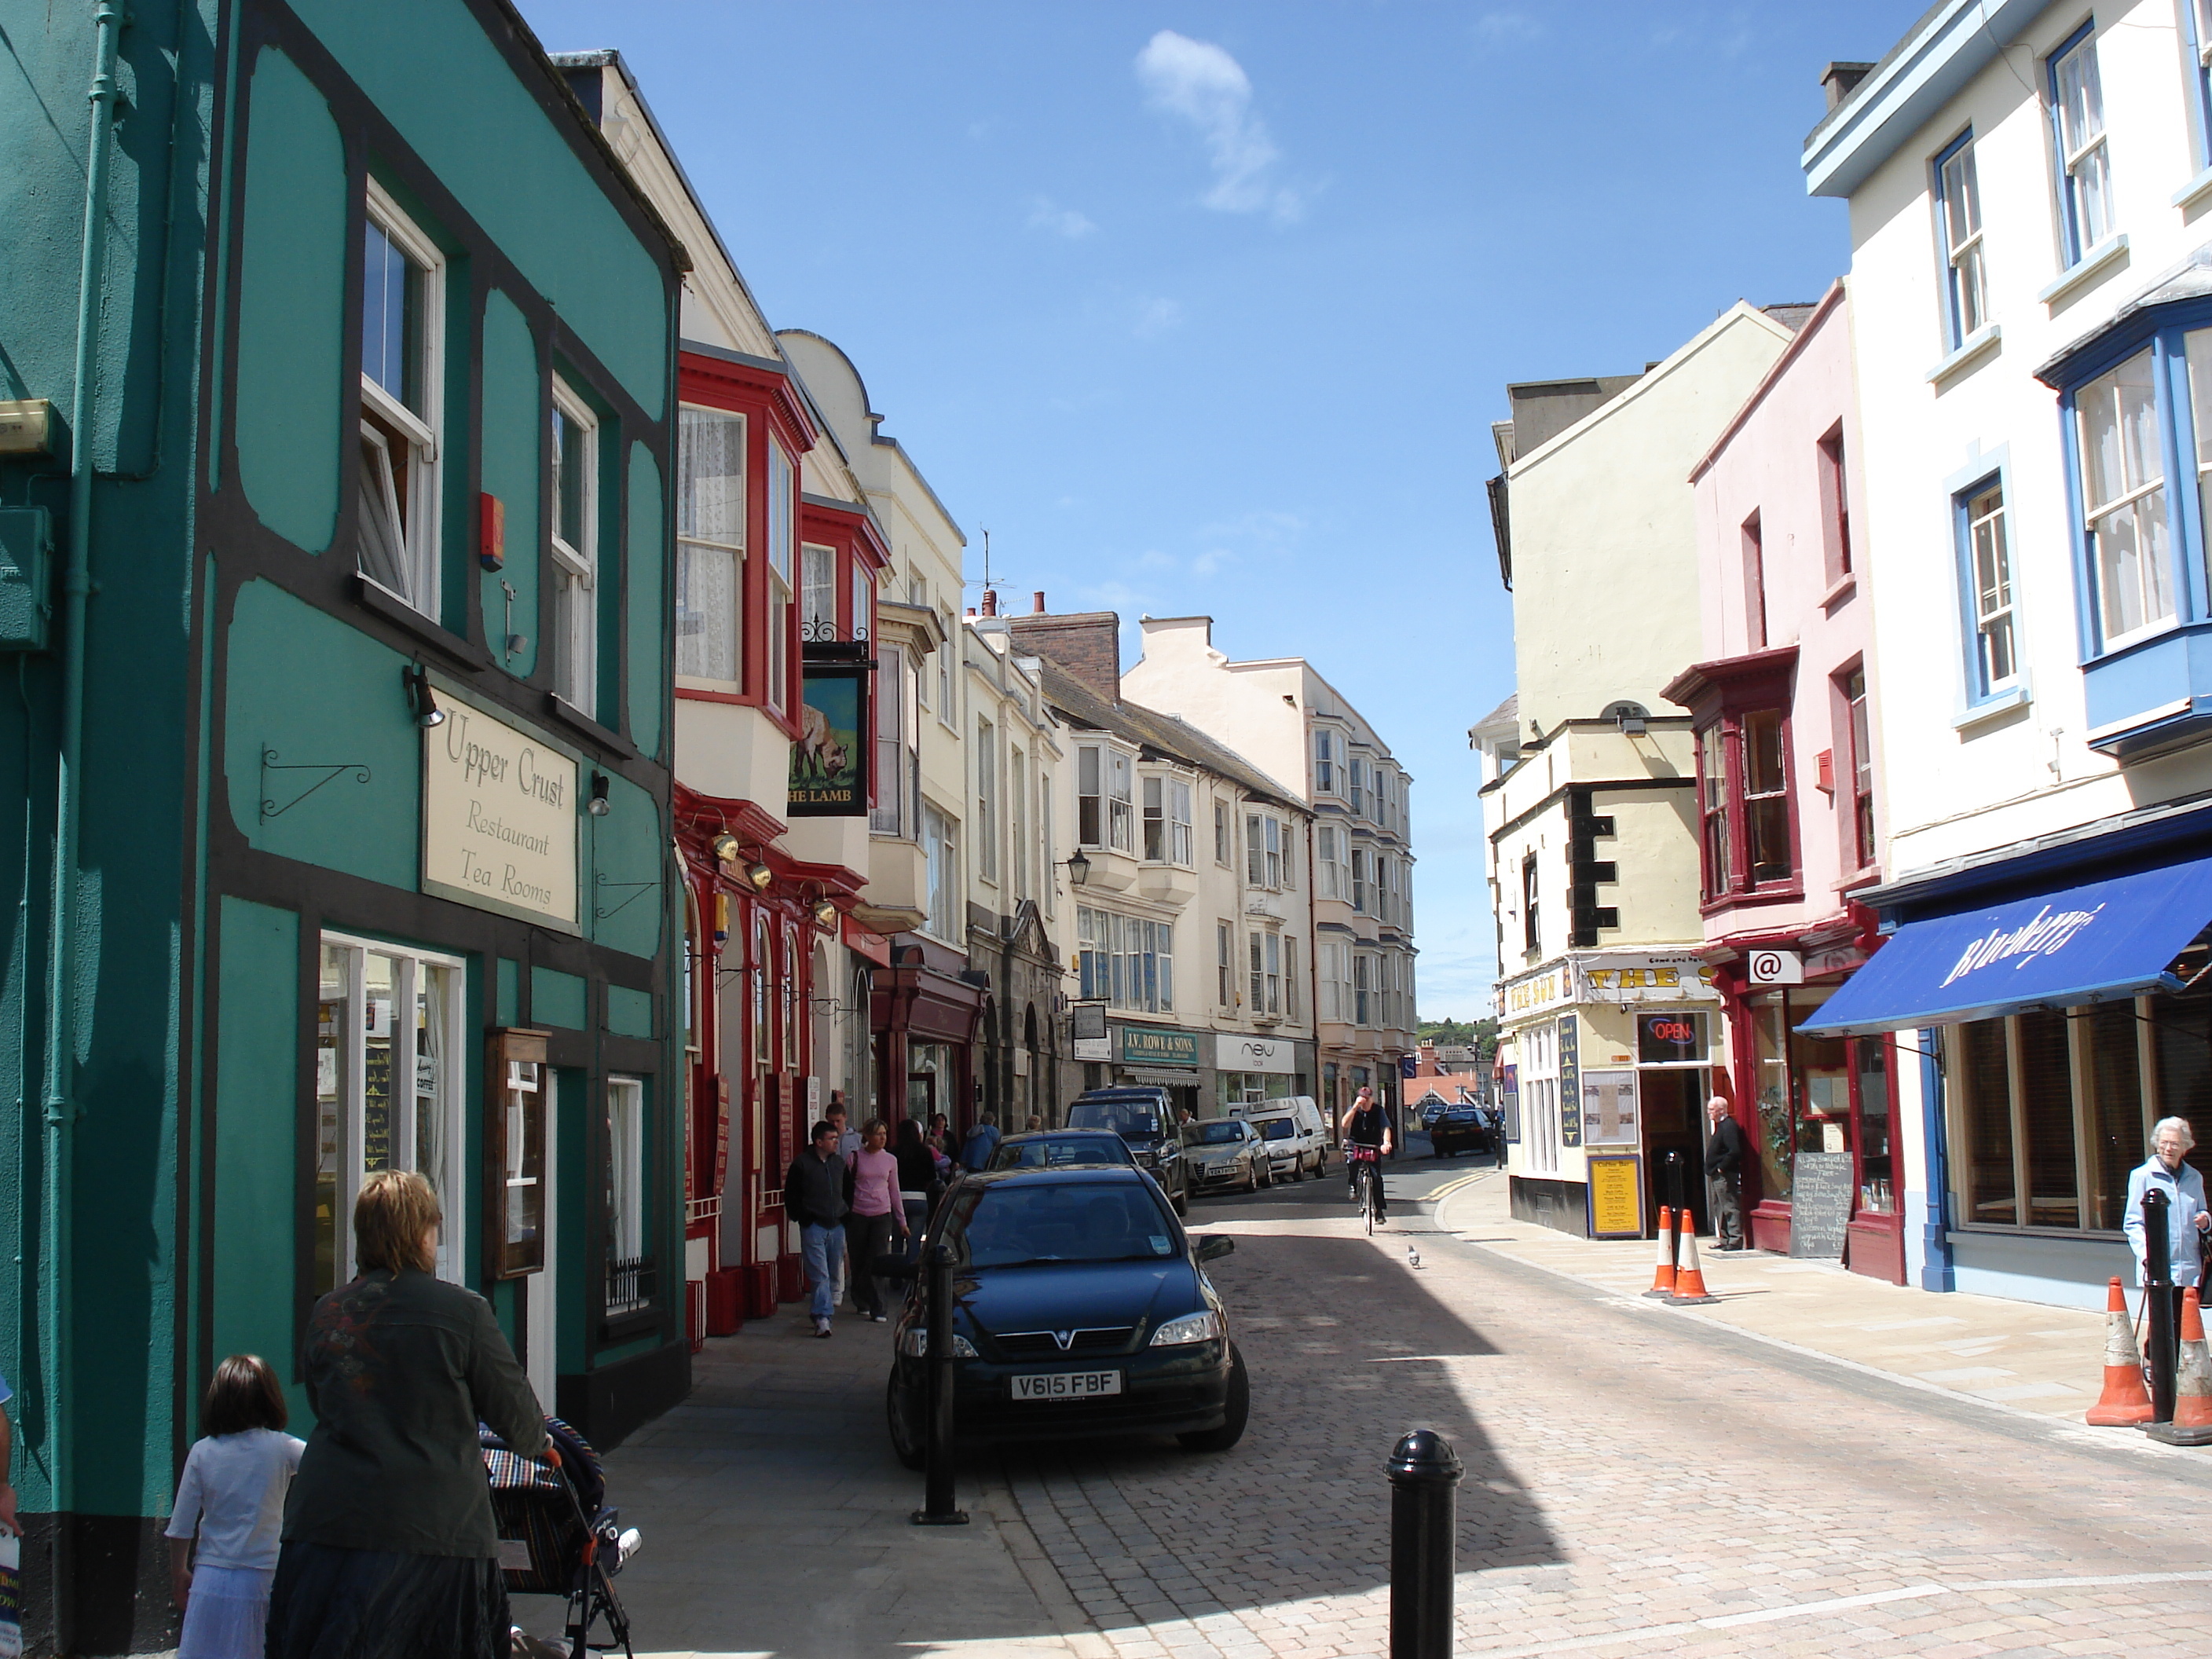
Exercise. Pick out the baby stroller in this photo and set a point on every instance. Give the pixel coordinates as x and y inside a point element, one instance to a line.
<point>557,1534</point>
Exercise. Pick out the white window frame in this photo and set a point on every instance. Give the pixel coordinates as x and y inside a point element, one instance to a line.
<point>691,546</point>
<point>940,841</point>
<point>625,1217</point>
<point>577,569</point>
<point>352,1092</point>
<point>420,515</point>
<point>1990,587</point>
<point>1959,232</point>
<point>864,602</point>
<point>1050,886</point>
<point>1324,761</point>
<point>2143,499</point>
<point>2084,157</point>
<point>1289,977</point>
<point>986,800</point>
<point>781,597</point>
<point>817,593</point>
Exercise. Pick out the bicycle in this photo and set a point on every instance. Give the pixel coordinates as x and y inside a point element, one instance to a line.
<point>1366,1173</point>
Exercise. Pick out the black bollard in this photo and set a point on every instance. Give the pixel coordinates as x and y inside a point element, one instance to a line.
<point>1425,1474</point>
<point>2158,1291</point>
<point>937,1509</point>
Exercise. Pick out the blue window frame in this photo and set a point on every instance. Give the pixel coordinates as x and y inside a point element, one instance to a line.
<point>1988,602</point>
<point>2077,131</point>
<point>1958,196</point>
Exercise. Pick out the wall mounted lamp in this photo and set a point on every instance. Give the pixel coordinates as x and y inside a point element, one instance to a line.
<point>1078,870</point>
<point>726,848</point>
<point>427,712</point>
<point>759,875</point>
<point>598,806</point>
<point>824,911</point>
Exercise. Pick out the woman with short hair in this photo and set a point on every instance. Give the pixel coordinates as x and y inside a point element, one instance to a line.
<point>390,1547</point>
<point>2186,1217</point>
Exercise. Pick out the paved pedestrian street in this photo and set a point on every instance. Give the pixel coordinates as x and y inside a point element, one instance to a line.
<point>1637,1481</point>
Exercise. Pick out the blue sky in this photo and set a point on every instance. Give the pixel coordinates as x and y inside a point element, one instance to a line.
<point>1207,307</point>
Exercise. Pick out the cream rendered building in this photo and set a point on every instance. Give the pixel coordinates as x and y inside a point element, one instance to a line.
<point>1590,797</point>
<point>1293,725</point>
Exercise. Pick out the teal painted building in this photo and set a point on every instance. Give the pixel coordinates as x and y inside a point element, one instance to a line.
<point>335,541</point>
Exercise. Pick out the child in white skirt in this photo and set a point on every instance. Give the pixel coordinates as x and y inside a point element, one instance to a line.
<point>233,1495</point>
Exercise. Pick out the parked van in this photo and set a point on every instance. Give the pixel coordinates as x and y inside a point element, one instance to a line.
<point>1293,1132</point>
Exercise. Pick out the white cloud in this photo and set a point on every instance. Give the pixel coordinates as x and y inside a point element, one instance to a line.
<point>1503,26</point>
<point>1156,317</point>
<point>1209,562</point>
<point>1199,82</point>
<point>1045,214</point>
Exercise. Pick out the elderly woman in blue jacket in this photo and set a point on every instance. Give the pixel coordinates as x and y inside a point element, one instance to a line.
<point>2171,1137</point>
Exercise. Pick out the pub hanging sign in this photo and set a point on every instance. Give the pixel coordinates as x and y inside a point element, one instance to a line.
<point>829,762</point>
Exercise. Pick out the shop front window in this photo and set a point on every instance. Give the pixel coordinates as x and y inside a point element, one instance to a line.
<point>629,1273</point>
<point>387,1030</point>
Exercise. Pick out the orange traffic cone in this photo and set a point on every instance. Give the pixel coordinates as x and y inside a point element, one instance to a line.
<point>1690,1277</point>
<point>2192,1389</point>
<point>1662,1282</point>
<point>2124,1404</point>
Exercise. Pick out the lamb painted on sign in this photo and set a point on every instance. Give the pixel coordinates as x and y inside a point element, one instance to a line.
<point>820,756</point>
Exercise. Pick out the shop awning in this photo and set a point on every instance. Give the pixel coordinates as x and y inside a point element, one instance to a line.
<point>2093,943</point>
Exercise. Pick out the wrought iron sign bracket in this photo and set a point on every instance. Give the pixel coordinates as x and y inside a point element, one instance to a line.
<point>270,764</point>
<point>637,890</point>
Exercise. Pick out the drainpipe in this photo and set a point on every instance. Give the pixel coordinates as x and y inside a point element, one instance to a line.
<point>61,947</point>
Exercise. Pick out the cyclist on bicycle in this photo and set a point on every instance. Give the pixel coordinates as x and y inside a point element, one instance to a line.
<point>1366,1131</point>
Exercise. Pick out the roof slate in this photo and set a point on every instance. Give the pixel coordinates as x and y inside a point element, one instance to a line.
<point>1165,734</point>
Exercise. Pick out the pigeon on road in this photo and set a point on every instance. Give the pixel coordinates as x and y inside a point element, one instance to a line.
<point>1413,1256</point>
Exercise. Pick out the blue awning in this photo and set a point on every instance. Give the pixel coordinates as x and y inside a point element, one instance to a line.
<point>2088,944</point>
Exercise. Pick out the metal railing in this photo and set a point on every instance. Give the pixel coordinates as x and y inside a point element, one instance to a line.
<point>632,1283</point>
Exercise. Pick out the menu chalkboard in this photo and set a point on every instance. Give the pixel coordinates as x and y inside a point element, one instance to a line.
<point>1821,1206</point>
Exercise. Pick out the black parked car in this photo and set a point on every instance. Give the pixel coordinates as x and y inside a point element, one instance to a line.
<point>1456,1127</point>
<point>1080,1309</point>
<point>1057,1149</point>
<point>1144,1119</point>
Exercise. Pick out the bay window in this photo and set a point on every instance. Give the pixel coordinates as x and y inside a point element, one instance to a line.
<point>1749,836</point>
<point>1324,743</point>
<point>779,532</point>
<point>898,738</point>
<point>2123,499</point>
<point>575,545</point>
<point>1167,821</point>
<point>1104,809</point>
<point>710,545</point>
<point>817,594</point>
<point>864,603</point>
<point>402,378</point>
<point>1328,873</point>
<point>939,841</point>
<point>1125,962</point>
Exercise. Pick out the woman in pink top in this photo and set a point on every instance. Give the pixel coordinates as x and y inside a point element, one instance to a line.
<point>875,1216</point>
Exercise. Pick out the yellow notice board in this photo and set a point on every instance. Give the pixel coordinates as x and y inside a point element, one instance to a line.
<point>1616,1196</point>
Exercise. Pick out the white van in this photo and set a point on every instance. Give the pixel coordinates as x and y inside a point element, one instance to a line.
<point>1292,1131</point>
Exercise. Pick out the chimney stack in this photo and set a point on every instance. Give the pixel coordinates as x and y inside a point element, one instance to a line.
<point>1840,81</point>
<point>990,601</point>
<point>1036,604</point>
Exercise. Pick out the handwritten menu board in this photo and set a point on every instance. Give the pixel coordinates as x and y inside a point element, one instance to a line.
<point>1821,1206</point>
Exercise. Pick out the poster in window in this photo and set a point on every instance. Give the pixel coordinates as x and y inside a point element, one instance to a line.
<point>829,762</point>
<point>1610,1108</point>
<point>1509,1098</point>
<point>1571,1090</point>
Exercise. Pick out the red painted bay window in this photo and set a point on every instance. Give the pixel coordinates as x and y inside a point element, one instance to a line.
<point>1746,807</point>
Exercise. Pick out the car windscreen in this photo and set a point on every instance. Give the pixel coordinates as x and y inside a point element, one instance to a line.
<point>1218,1132</point>
<point>1275,1128</point>
<point>1135,1119</point>
<point>1059,1153</point>
<point>1016,1223</point>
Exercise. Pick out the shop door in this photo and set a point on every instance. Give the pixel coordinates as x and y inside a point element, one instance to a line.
<point>1674,1141</point>
<point>540,1340</point>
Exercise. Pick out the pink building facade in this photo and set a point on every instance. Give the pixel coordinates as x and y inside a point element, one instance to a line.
<point>1791,825</point>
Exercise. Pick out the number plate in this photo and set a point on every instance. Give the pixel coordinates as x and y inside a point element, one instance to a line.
<point>1066,1385</point>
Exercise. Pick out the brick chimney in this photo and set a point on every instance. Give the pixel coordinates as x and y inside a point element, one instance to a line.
<point>1840,81</point>
<point>1087,644</point>
<point>990,601</point>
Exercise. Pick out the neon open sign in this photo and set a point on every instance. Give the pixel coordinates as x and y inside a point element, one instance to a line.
<point>1678,1031</point>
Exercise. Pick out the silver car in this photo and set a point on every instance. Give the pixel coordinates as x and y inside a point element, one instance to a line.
<point>1220,1152</point>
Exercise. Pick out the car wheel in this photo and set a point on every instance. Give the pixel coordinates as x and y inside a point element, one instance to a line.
<point>1238,1409</point>
<point>906,1443</point>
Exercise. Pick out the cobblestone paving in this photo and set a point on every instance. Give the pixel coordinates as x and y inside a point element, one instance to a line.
<point>1636,1483</point>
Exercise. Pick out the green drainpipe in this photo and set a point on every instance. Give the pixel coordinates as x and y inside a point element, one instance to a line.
<point>61,948</point>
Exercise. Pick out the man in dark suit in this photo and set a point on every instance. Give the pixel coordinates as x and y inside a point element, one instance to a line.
<point>1724,1156</point>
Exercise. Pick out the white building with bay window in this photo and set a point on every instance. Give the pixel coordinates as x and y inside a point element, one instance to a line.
<point>2030,190</point>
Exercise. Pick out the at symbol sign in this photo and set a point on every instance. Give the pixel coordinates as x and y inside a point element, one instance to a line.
<point>1776,968</point>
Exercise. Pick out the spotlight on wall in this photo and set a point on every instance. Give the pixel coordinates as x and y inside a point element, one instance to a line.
<point>825,912</point>
<point>760,875</point>
<point>596,806</point>
<point>726,848</point>
<point>427,712</point>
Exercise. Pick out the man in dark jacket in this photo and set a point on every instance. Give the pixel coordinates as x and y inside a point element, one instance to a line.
<point>814,1197</point>
<point>1725,1176</point>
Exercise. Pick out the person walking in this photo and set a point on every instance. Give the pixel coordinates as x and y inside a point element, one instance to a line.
<point>1724,1153</point>
<point>390,1548</point>
<point>1366,1132</point>
<point>876,1218</point>
<point>814,1196</point>
<point>2186,1217</point>
<point>232,1498</point>
<point>917,1179</point>
<point>982,1140</point>
<point>848,1139</point>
